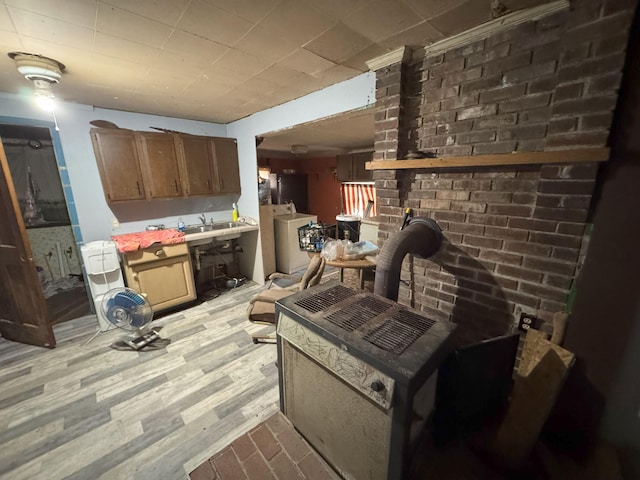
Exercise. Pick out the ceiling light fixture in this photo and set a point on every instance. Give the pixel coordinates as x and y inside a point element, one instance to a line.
<point>42,88</point>
<point>37,67</point>
<point>299,149</point>
<point>43,72</point>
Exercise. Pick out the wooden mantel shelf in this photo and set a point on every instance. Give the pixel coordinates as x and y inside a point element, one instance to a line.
<point>518,158</point>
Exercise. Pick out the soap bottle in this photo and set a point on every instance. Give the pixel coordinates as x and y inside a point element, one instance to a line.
<point>181,227</point>
<point>234,214</point>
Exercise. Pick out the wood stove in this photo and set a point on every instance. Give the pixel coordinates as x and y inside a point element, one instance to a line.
<point>357,376</point>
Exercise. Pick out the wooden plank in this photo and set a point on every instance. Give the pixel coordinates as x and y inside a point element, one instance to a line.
<point>532,399</point>
<point>541,374</point>
<point>492,27</point>
<point>519,158</point>
<point>535,347</point>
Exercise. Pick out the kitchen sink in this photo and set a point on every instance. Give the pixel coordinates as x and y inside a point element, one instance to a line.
<point>212,226</point>
<point>197,229</point>
<point>218,226</point>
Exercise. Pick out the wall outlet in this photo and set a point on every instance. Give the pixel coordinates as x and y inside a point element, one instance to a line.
<point>115,224</point>
<point>528,321</point>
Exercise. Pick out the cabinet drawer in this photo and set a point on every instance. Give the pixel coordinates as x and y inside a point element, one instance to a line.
<point>153,254</point>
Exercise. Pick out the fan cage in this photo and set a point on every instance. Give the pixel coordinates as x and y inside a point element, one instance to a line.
<point>127,309</point>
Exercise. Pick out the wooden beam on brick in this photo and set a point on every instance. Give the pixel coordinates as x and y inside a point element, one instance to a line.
<point>585,155</point>
<point>500,24</point>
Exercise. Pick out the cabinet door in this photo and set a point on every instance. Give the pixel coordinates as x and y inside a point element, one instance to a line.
<point>118,164</point>
<point>160,164</point>
<point>196,161</point>
<point>360,173</point>
<point>228,172</point>
<point>343,168</point>
<point>166,282</point>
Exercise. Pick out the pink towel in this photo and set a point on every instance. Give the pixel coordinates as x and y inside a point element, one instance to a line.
<point>130,242</point>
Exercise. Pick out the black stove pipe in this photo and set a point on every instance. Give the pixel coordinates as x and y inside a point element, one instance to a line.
<point>422,237</point>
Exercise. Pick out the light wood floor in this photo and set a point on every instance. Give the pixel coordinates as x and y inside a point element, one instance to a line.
<point>87,411</point>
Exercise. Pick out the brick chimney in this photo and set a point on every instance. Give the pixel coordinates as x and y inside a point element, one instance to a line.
<point>514,234</point>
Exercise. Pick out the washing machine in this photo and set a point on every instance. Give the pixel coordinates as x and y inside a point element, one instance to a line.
<point>289,257</point>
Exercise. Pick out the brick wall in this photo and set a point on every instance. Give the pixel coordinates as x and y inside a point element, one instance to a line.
<point>390,117</point>
<point>513,234</point>
<point>513,237</point>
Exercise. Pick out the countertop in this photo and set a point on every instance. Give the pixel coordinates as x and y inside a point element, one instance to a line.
<point>131,242</point>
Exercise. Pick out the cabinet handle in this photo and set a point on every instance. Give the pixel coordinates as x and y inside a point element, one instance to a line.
<point>138,185</point>
<point>135,276</point>
<point>159,253</point>
<point>175,183</point>
<point>209,185</point>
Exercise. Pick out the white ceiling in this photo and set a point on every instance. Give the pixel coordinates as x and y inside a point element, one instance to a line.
<point>217,60</point>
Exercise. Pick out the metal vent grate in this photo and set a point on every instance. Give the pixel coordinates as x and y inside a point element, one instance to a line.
<point>399,331</point>
<point>323,300</point>
<point>357,314</point>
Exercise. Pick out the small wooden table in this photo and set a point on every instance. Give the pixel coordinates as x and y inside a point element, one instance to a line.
<point>361,265</point>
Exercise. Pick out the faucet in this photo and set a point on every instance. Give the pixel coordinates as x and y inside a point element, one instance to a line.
<point>203,219</point>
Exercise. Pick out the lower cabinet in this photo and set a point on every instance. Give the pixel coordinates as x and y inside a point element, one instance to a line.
<point>163,274</point>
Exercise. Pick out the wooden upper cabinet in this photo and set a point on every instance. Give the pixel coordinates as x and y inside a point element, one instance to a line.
<point>343,168</point>
<point>118,164</point>
<point>196,161</point>
<point>360,173</point>
<point>226,164</point>
<point>149,165</point>
<point>351,167</point>
<point>159,164</point>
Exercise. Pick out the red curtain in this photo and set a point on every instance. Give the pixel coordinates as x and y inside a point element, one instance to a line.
<point>355,197</point>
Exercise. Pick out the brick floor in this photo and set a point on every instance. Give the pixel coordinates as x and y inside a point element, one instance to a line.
<point>272,450</point>
<point>352,279</point>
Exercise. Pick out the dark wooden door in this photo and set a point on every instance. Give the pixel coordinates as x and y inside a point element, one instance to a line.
<point>197,164</point>
<point>23,309</point>
<point>160,163</point>
<point>118,163</point>
<point>227,169</point>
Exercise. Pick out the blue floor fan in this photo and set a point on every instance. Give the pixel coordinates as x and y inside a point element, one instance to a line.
<point>127,309</point>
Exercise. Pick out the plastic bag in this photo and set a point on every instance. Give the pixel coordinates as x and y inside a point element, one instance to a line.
<point>358,250</point>
<point>334,249</point>
<point>347,250</point>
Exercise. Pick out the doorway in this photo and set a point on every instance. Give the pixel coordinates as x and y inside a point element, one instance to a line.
<point>41,183</point>
<point>314,148</point>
